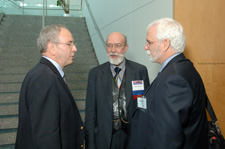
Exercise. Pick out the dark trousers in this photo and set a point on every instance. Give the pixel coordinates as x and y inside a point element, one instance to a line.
<point>120,140</point>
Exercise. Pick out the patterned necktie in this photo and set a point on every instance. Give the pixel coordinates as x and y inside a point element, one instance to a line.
<point>117,78</point>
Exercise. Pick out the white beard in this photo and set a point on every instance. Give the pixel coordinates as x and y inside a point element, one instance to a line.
<point>115,61</point>
<point>158,54</point>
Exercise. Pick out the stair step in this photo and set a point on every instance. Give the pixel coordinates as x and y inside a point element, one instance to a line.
<point>77,85</point>
<point>25,69</point>
<point>9,123</point>
<point>15,87</point>
<point>7,146</point>
<point>29,63</point>
<point>78,62</point>
<point>9,97</point>
<point>4,78</point>
<point>8,138</point>
<point>83,49</point>
<point>13,97</point>
<point>8,110</point>
<point>13,109</point>
<point>8,78</point>
<point>10,87</point>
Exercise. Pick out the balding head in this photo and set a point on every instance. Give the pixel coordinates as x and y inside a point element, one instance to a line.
<point>119,36</point>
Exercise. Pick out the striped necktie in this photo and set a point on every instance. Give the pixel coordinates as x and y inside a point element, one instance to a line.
<point>117,78</point>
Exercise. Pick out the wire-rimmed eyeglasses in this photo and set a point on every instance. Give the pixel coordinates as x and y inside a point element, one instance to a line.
<point>116,46</point>
<point>71,44</point>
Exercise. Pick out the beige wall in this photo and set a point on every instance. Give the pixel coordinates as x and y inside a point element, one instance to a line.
<point>204,27</point>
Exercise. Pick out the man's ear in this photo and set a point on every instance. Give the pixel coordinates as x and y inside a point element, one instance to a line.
<point>125,49</point>
<point>51,48</point>
<point>166,44</point>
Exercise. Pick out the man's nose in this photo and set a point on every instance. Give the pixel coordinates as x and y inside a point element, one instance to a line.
<point>74,49</point>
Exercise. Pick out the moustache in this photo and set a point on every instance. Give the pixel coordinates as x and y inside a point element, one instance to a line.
<point>114,54</point>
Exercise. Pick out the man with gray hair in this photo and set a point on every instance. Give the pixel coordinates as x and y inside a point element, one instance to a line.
<point>172,114</point>
<point>48,115</point>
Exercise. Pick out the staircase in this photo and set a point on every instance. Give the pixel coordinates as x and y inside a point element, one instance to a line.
<point>19,53</point>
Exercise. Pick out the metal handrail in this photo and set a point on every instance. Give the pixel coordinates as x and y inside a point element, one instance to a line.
<point>95,24</point>
<point>45,8</point>
<point>18,6</point>
<point>43,16</point>
<point>13,4</point>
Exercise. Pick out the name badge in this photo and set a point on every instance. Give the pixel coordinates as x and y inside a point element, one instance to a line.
<point>138,88</point>
<point>142,102</point>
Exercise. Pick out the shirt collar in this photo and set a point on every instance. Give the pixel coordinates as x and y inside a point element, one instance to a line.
<point>167,61</point>
<point>58,67</point>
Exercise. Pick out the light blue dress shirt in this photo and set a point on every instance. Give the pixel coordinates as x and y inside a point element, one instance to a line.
<point>58,67</point>
<point>167,61</point>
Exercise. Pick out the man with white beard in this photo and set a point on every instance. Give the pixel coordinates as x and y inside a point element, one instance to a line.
<point>174,115</point>
<point>110,99</point>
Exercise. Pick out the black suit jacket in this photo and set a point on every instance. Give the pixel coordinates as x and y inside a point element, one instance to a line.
<point>175,117</point>
<point>99,108</point>
<point>48,115</point>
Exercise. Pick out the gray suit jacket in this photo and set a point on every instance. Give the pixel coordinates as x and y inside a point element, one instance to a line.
<point>175,117</point>
<point>48,115</point>
<point>99,113</point>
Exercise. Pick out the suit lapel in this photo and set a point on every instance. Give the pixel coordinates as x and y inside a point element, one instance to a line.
<point>62,82</point>
<point>154,81</point>
<point>106,76</point>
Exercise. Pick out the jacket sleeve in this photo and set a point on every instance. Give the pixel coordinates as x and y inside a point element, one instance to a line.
<point>90,113</point>
<point>43,104</point>
<point>173,102</point>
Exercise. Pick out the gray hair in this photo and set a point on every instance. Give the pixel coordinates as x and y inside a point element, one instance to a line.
<point>48,34</point>
<point>125,39</point>
<point>168,28</point>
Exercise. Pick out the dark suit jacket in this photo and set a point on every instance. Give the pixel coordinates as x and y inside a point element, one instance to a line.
<point>175,117</point>
<point>99,113</point>
<point>48,115</point>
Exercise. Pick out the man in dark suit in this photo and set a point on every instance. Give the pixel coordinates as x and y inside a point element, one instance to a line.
<point>110,103</point>
<point>175,116</point>
<point>48,115</point>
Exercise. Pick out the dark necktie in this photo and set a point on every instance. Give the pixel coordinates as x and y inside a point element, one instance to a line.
<point>64,78</point>
<point>117,78</point>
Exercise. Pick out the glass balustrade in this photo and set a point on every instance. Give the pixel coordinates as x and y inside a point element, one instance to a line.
<point>35,7</point>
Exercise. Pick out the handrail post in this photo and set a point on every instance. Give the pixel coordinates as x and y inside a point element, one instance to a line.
<point>46,7</point>
<point>43,16</point>
<point>23,7</point>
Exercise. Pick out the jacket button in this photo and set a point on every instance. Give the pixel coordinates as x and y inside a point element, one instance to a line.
<point>81,127</point>
<point>82,146</point>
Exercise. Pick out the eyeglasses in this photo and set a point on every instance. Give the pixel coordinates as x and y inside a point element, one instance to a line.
<point>149,43</point>
<point>116,46</point>
<point>69,44</point>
